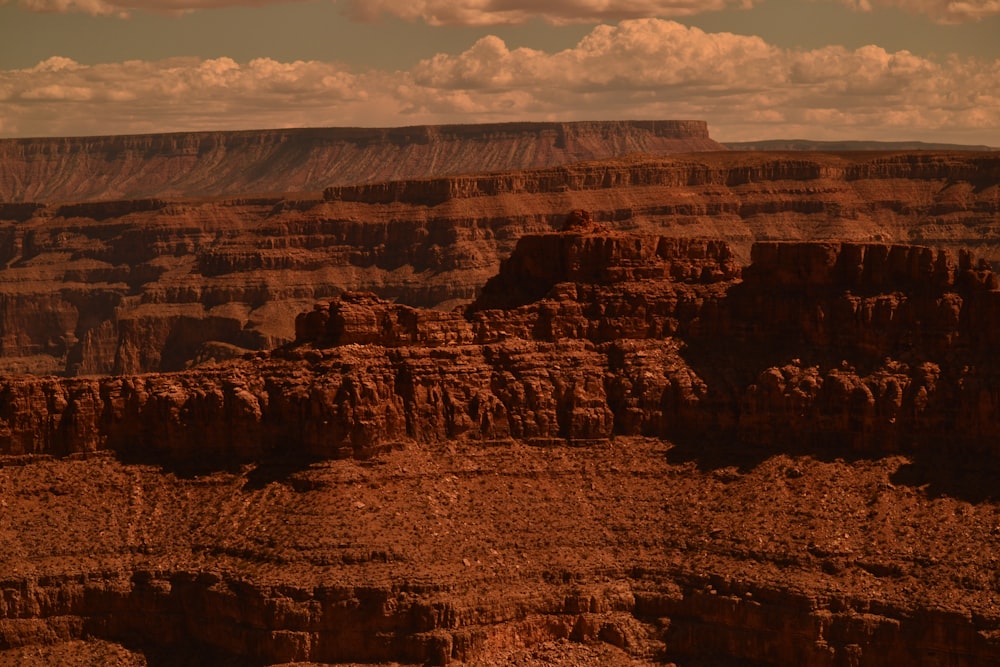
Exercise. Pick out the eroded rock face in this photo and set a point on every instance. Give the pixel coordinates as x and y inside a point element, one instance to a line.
<point>593,256</point>
<point>153,284</point>
<point>886,348</point>
<point>628,448</point>
<point>584,335</point>
<point>443,486</point>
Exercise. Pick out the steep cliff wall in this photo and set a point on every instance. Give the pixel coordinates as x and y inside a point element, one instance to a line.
<point>723,170</point>
<point>150,285</point>
<point>211,164</point>
<point>869,348</point>
<point>402,488</point>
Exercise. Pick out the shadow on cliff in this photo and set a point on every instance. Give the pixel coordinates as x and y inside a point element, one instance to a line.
<point>939,475</point>
<point>710,436</point>
<point>277,467</point>
<point>189,655</point>
<point>713,441</point>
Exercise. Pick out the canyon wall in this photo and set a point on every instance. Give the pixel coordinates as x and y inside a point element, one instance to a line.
<point>154,285</point>
<point>583,336</point>
<point>662,614</point>
<point>740,410</point>
<point>723,170</point>
<point>212,164</point>
<point>506,483</point>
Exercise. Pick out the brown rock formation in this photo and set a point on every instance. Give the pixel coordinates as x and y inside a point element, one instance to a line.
<point>152,285</point>
<point>875,346</point>
<point>888,347</point>
<point>594,256</point>
<point>210,164</point>
<point>461,542</point>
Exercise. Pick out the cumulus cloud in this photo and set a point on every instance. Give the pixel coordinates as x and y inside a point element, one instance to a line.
<point>644,53</point>
<point>60,96</point>
<point>513,12</point>
<point>744,87</point>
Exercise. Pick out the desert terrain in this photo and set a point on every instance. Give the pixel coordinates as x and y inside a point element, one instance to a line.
<point>534,394</point>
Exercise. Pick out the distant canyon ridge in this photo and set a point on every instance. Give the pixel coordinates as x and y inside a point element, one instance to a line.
<point>154,253</point>
<point>212,164</point>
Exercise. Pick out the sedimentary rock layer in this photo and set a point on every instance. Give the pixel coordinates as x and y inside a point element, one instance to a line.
<point>721,170</point>
<point>499,554</point>
<point>478,486</point>
<point>151,284</point>
<point>869,348</point>
<point>210,164</point>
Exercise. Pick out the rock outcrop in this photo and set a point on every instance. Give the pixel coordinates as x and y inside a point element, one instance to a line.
<point>887,347</point>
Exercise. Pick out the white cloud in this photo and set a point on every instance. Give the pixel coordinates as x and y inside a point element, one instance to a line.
<point>639,54</point>
<point>513,12</point>
<point>744,87</point>
<point>55,64</point>
<point>60,96</point>
<point>868,70</point>
<point>942,11</point>
<point>497,12</point>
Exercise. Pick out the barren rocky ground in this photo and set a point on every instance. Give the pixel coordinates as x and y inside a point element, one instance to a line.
<point>729,415</point>
<point>506,537</point>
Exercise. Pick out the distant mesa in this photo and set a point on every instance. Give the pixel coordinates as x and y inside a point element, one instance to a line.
<point>225,164</point>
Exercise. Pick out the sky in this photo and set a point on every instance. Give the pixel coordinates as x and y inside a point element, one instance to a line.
<point>888,70</point>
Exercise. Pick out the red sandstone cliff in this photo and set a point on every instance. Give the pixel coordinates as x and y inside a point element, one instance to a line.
<point>582,336</point>
<point>450,541</point>
<point>151,284</point>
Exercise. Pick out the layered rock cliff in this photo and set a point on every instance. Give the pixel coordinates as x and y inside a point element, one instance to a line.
<point>730,416</point>
<point>211,164</point>
<point>153,285</point>
<point>480,486</point>
<point>581,336</point>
